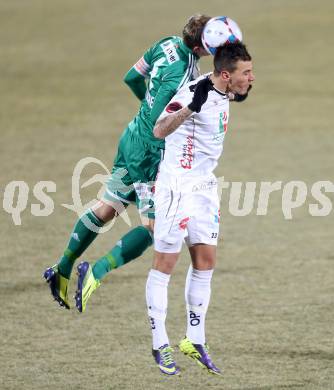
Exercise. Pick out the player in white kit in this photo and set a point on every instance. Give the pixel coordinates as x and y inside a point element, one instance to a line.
<point>194,124</point>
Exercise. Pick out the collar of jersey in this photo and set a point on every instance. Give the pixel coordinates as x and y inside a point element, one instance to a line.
<point>220,92</point>
<point>215,89</point>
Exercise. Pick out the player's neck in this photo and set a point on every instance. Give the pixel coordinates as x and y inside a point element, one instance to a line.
<point>218,83</point>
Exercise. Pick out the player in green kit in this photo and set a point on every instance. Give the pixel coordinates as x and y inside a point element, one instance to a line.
<point>154,79</point>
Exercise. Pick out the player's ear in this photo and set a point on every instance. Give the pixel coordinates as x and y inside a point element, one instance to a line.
<point>196,50</point>
<point>199,51</point>
<point>225,75</point>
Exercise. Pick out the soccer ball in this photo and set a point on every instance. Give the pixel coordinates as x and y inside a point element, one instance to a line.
<point>220,30</point>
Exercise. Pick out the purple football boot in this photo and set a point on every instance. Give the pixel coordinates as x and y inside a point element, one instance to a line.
<point>200,353</point>
<point>58,285</point>
<point>164,359</point>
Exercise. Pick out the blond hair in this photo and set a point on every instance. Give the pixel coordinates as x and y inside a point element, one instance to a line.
<point>192,31</point>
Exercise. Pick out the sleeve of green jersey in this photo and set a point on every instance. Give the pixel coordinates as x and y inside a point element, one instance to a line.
<point>135,78</point>
<point>136,82</point>
<point>167,90</point>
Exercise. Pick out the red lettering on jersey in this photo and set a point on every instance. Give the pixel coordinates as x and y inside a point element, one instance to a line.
<point>187,153</point>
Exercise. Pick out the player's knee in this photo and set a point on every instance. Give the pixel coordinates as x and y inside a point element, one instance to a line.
<point>203,256</point>
<point>204,264</point>
<point>149,225</point>
<point>104,211</point>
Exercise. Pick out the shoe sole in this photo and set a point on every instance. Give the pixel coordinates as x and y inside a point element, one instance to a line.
<point>81,271</point>
<point>177,372</point>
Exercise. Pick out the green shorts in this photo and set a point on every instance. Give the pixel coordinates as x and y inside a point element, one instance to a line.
<point>134,172</point>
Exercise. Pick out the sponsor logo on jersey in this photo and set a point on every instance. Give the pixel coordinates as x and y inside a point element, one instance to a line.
<point>173,107</point>
<point>187,155</point>
<point>217,217</point>
<point>170,51</point>
<point>223,119</point>
<point>205,186</point>
<point>223,122</point>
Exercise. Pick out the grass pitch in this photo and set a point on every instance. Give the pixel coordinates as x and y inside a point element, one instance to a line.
<point>270,323</point>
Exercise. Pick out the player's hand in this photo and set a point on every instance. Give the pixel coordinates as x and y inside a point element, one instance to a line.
<point>201,91</point>
<point>240,98</point>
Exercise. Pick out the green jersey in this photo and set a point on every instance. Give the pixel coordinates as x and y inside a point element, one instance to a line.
<point>166,67</point>
<point>154,79</point>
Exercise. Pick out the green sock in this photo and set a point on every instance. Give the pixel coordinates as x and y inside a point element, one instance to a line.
<point>128,248</point>
<point>82,236</point>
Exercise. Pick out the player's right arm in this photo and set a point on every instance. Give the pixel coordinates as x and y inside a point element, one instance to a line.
<point>135,78</point>
<point>168,124</point>
<point>177,112</point>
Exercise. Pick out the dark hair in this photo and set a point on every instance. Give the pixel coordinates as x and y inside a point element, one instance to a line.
<point>228,55</point>
<point>192,31</point>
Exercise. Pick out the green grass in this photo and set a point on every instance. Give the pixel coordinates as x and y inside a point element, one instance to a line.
<point>270,323</point>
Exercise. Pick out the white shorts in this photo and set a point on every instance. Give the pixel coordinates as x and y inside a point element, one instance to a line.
<point>185,209</point>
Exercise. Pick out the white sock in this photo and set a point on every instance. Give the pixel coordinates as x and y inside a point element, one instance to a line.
<point>156,299</point>
<point>197,295</point>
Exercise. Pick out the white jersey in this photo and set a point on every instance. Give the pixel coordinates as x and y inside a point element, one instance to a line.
<point>195,147</point>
